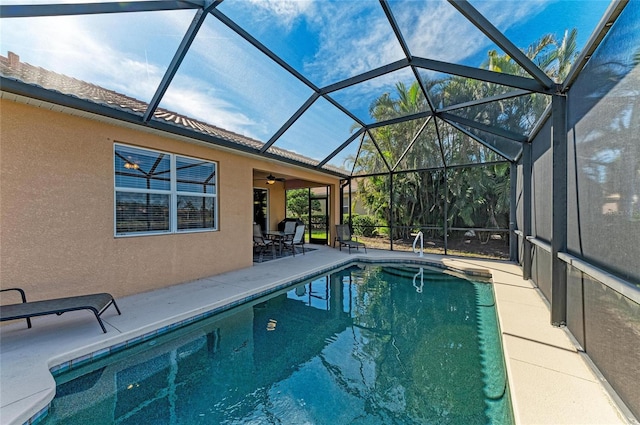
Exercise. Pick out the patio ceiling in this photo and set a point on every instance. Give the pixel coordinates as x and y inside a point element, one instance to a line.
<point>297,80</point>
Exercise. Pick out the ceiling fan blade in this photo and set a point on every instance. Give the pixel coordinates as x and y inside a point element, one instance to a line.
<point>270,179</point>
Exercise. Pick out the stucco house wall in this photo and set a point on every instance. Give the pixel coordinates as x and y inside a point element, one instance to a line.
<point>57,209</point>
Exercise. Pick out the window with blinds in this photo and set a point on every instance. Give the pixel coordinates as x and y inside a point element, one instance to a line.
<point>159,192</point>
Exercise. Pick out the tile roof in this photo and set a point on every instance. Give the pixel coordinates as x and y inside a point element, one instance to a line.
<point>12,67</point>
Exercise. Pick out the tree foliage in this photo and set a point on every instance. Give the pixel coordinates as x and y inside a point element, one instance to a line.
<point>475,196</point>
<point>298,203</point>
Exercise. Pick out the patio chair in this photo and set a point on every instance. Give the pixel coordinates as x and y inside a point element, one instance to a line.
<point>343,238</point>
<point>97,303</point>
<point>290,227</point>
<point>262,244</point>
<point>297,239</point>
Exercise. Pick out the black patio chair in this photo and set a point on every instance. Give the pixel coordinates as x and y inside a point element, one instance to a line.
<point>344,238</point>
<point>97,303</point>
<point>262,244</point>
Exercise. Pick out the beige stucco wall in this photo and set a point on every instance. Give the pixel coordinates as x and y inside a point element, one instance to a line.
<point>57,218</point>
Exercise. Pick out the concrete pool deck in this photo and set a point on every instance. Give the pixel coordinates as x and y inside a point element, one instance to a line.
<point>550,381</point>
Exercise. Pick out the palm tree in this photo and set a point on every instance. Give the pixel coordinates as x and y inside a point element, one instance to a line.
<point>553,56</point>
<point>564,55</point>
<point>478,196</point>
<point>393,141</point>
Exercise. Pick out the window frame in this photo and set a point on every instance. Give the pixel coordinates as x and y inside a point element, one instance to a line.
<point>173,193</point>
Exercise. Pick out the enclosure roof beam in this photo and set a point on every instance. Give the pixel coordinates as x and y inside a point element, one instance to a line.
<point>476,102</point>
<point>479,140</point>
<point>402,119</point>
<point>342,146</point>
<point>262,48</point>
<point>290,121</point>
<point>405,49</point>
<point>285,65</point>
<point>540,123</point>
<point>68,9</point>
<point>365,76</point>
<point>609,17</point>
<point>355,161</point>
<point>177,59</point>
<point>483,127</point>
<point>483,24</point>
<point>481,74</point>
<point>432,169</point>
<point>344,110</point>
<point>443,156</point>
<point>56,98</point>
<point>412,142</point>
<point>373,140</point>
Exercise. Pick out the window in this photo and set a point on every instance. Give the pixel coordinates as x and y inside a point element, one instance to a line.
<point>158,192</point>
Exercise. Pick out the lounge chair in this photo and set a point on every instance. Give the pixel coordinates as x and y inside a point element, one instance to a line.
<point>262,244</point>
<point>97,303</point>
<point>297,239</point>
<point>344,238</point>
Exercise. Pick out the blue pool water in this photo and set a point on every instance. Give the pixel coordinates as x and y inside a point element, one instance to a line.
<point>363,345</point>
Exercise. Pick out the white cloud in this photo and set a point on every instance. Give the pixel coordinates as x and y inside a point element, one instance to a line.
<point>358,37</point>
<point>208,108</point>
<point>239,78</point>
<point>69,45</point>
<point>505,14</point>
<point>440,32</point>
<point>354,37</point>
<point>230,84</point>
<point>287,11</point>
<point>74,46</point>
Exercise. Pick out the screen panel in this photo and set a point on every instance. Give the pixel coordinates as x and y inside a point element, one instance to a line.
<point>541,270</point>
<point>541,180</point>
<point>612,333</point>
<point>605,146</point>
<point>575,304</point>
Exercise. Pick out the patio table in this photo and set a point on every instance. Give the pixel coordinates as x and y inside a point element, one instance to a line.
<point>279,237</point>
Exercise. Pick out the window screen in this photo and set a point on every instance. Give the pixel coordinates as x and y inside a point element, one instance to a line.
<point>159,192</point>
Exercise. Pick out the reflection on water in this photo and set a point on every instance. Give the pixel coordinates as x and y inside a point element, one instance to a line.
<point>363,345</point>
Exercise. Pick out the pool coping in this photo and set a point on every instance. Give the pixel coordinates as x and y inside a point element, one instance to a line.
<point>476,273</point>
<point>32,408</point>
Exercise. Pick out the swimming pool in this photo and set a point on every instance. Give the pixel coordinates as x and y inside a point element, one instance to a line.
<point>366,344</point>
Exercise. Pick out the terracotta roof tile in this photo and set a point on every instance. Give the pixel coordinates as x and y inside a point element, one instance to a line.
<point>11,67</point>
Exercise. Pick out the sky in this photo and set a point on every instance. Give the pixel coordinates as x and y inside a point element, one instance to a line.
<point>225,82</point>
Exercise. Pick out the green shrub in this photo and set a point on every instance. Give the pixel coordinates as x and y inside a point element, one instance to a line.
<point>364,225</point>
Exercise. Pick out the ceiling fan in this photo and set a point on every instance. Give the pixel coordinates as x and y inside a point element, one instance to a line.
<point>271,179</point>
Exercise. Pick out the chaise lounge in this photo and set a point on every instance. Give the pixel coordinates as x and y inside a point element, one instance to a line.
<point>97,303</point>
<point>344,238</point>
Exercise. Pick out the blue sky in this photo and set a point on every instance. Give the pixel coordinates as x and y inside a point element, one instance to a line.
<point>224,82</point>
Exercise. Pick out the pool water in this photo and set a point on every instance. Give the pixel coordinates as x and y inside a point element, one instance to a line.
<point>363,345</point>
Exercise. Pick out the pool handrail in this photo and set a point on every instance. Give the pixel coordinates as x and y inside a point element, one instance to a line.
<point>421,236</point>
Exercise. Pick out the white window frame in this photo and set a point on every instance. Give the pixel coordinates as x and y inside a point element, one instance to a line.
<point>172,192</point>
